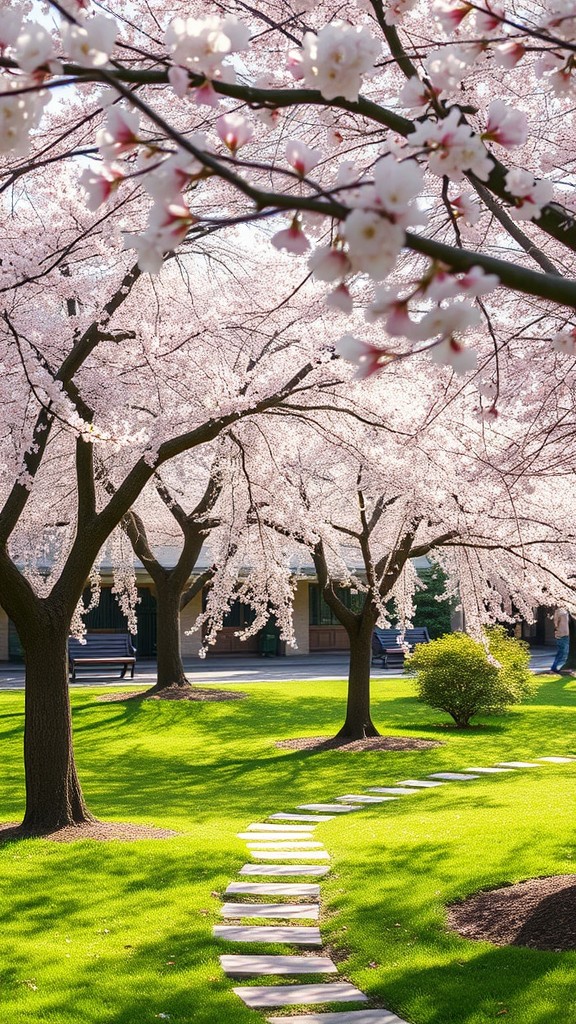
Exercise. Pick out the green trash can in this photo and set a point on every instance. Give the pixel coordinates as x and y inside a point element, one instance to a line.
<point>268,641</point>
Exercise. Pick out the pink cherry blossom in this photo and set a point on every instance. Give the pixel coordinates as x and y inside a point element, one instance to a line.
<point>179,80</point>
<point>450,352</point>
<point>450,14</point>
<point>490,19</point>
<point>508,54</point>
<point>507,126</point>
<point>454,148</point>
<point>100,183</point>
<point>120,134</point>
<point>292,239</point>
<point>234,130</point>
<point>340,299</point>
<point>301,157</point>
<point>368,358</point>
<point>530,195</point>
<point>466,207</point>
<point>329,264</point>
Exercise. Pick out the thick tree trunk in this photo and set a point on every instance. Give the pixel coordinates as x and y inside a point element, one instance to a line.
<point>168,646</point>
<point>53,794</point>
<point>358,723</point>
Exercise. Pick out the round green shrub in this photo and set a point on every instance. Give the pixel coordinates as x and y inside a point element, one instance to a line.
<point>454,674</point>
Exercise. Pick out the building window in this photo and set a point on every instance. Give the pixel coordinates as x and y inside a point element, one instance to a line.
<point>321,614</point>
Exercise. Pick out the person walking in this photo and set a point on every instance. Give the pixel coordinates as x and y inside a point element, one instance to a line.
<point>562,634</point>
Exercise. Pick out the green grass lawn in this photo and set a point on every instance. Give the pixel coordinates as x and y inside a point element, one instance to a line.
<point>120,932</point>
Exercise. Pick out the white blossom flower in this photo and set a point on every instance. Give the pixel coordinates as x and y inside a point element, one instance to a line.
<point>335,60</point>
<point>91,43</point>
<point>33,48</point>
<point>508,54</point>
<point>454,148</point>
<point>451,353</point>
<point>374,243</point>
<point>201,44</point>
<point>396,185</point>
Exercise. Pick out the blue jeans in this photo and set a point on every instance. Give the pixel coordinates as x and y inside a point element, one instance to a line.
<point>562,647</point>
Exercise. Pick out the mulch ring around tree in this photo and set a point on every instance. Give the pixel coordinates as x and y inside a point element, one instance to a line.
<point>319,743</point>
<point>101,830</point>
<point>539,913</point>
<point>175,693</point>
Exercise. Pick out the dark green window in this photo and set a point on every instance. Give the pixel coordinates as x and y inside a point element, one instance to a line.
<point>320,613</point>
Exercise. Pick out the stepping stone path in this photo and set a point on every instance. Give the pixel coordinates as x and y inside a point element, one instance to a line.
<point>294,936</point>
<point>275,888</point>
<point>337,808</point>
<point>452,776</point>
<point>270,910</point>
<point>277,840</point>
<point>518,764</point>
<point>288,995</point>
<point>354,1017</point>
<point>283,869</point>
<point>235,965</point>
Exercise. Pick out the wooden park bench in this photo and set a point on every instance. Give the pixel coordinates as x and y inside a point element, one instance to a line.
<point>102,649</point>
<point>385,644</point>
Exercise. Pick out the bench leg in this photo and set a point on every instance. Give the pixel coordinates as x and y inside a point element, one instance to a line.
<point>132,667</point>
<point>123,672</point>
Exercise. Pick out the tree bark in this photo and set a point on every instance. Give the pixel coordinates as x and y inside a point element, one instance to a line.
<point>53,793</point>
<point>170,670</point>
<point>358,723</point>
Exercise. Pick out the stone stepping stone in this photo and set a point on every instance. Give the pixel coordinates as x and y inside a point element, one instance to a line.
<point>233,965</point>
<point>290,854</point>
<point>260,997</point>
<point>337,808</point>
<point>284,869</point>
<point>361,799</point>
<point>488,771</point>
<point>303,935</point>
<point>452,776</point>
<point>558,760</point>
<point>345,1017</point>
<point>308,910</point>
<point>281,815</point>
<point>518,764</point>
<point>396,790</point>
<point>309,889</point>
<point>284,844</point>
<point>263,826</point>
<point>420,783</point>
<point>276,837</point>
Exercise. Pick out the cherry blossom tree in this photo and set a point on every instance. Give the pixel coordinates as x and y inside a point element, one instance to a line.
<point>488,501</point>
<point>442,222</point>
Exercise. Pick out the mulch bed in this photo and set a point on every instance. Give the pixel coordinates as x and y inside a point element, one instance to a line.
<point>174,693</point>
<point>539,913</point>
<point>102,830</point>
<point>320,743</point>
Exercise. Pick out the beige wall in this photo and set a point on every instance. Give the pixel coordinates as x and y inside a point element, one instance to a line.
<point>301,620</point>
<point>3,635</point>
<point>191,644</point>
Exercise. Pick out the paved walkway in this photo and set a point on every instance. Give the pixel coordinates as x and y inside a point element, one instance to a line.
<point>274,840</point>
<point>221,670</point>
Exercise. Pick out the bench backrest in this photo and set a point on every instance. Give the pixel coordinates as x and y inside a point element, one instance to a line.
<point>112,645</point>
<point>389,637</point>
